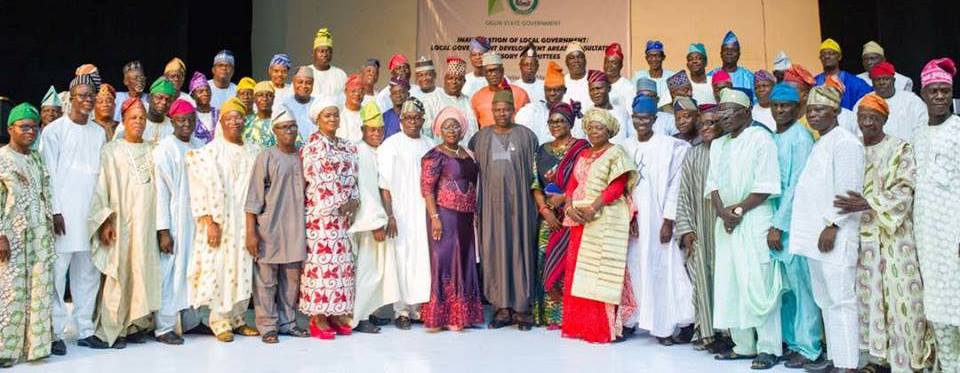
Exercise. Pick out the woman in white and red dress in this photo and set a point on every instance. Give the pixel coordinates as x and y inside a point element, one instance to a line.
<point>330,169</point>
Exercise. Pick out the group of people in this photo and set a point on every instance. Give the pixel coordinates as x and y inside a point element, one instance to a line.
<point>772,216</point>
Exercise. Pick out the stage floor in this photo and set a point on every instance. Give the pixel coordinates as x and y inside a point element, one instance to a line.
<point>475,350</point>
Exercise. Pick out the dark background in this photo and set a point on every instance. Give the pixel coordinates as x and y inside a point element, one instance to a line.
<point>911,32</point>
<point>42,42</point>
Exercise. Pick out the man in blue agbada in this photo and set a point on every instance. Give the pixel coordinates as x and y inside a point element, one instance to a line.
<point>800,316</point>
<point>854,87</point>
<point>730,55</point>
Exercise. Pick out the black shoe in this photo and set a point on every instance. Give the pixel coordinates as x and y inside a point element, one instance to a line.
<point>201,329</point>
<point>403,323</point>
<point>684,336</point>
<point>819,366</point>
<point>270,338</point>
<point>7,363</point>
<point>58,348</point>
<point>93,342</point>
<point>378,321</point>
<point>170,338</point>
<point>524,321</point>
<point>139,337</point>
<point>297,332</point>
<point>120,343</point>
<point>503,317</point>
<point>627,332</point>
<point>366,327</point>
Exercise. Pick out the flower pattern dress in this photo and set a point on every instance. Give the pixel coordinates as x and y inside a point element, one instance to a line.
<point>889,287</point>
<point>26,279</point>
<point>330,168</point>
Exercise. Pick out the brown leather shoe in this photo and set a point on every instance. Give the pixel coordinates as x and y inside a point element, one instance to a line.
<point>225,337</point>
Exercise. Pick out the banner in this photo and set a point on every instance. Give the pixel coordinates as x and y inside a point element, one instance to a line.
<point>445,28</point>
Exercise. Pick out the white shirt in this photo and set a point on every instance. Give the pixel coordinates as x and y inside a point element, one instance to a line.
<point>534,90</point>
<point>152,133</point>
<point>220,95</point>
<point>834,167</point>
<point>764,116</point>
<point>900,82</point>
<point>534,116</point>
<point>329,83</point>
<point>666,124</point>
<point>622,92</point>
<point>71,153</point>
<point>350,123</point>
<point>578,90</point>
<point>473,84</point>
<point>703,92</point>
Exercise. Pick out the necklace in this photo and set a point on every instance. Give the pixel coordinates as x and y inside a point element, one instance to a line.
<point>594,154</point>
<point>562,148</point>
<point>455,151</point>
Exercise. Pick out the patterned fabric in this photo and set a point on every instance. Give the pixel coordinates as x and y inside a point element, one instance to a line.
<point>455,286</point>
<point>452,193</point>
<point>889,287</point>
<point>554,166</point>
<point>935,208</point>
<point>330,168</point>
<point>205,131</point>
<point>696,215</point>
<point>26,279</point>
<point>948,347</point>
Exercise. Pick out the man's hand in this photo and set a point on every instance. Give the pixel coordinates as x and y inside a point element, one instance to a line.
<point>391,227</point>
<point>666,231</point>
<point>730,219</point>
<point>165,241</point>
<point>852,202</point>
<point>4,249</point>
<point>59,228</point>
<point>107,233</point>
<point>687,243</point>
<point>213,234</point>
<point>252,242</point>
<point>380,234</point>
<point>774,237</point>
<point>827,238</point>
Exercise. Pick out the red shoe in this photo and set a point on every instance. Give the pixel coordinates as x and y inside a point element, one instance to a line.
<point>342,329</point>
<point>318,333</point>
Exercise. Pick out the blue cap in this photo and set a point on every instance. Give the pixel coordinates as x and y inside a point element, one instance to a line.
<point>783,92</point>
<point>644,105</point>
<point>731,39</point>
<point>654,46</point>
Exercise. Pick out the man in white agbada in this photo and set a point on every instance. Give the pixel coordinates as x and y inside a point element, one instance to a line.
<point>70,147</point>
<point>908,113</point>
<point>872,55</point>
<point>376,276</point>
<point>622,89</point>
<point>830,240</point>
<point>661,287</point>
<point>397,159</point>
<point>350,121</point>
<point>576,78</point>
<point>529,65</point>
<point>935,209</point>
<point>162,95</point>
<point>744,173</point>
<point>328,80</point>
<point>535,114</point>
<point>426,77</point>
<point>300,101</point>
<point>220,271</point>
<point>451,95</point>
<point>221,88</point>
<point>175,226</point>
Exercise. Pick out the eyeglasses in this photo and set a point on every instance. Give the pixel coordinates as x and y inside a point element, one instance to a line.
<point>412,118</point>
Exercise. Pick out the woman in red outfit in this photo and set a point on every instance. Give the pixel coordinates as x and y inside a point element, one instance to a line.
<point>595,302</point>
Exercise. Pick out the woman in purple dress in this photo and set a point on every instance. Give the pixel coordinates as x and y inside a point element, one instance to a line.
<point>449,185</point>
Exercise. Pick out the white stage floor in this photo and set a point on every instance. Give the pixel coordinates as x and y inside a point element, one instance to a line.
<point>475,350</point>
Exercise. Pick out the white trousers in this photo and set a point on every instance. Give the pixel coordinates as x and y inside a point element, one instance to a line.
<point>84,285</point>
<point>834,291</point>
